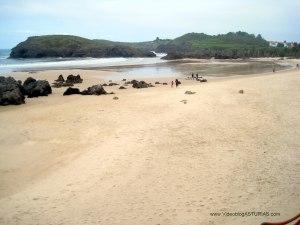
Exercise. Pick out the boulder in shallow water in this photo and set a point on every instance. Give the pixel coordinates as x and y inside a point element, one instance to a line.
<point>37,88</point>
<point>94,90</point>
<point>10,92</point>
<point>72,91</point>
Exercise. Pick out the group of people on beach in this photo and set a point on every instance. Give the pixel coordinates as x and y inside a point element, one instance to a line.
<point>195,76</point>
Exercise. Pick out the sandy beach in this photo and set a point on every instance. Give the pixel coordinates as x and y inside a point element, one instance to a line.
<point>148,158</point>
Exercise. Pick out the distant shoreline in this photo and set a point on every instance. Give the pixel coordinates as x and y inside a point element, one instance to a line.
<point>183,67</point>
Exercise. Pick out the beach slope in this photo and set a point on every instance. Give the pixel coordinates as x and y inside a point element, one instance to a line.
<point>148,158</point>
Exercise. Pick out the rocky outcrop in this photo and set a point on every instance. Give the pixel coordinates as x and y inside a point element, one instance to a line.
<point>10,92</point>
<point>73,46</point>
<point>72,91</point>
<point>141,84</point>
<point>94,90</point>
<point>60,79</point>
<point>35,88</point>
<point>72,79</point>
<point>28,81</point>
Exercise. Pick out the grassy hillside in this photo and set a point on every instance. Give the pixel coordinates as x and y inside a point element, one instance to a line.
<point>73,46</point>
<point>191,45</point>
<point>146,45</point>
<point>223,45</point>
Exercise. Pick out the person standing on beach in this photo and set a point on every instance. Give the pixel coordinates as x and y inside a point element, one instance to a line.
<point>172,83</point>
<point>192,76</point>
<point>176,82</point>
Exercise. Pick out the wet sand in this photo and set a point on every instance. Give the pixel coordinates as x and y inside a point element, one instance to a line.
<point>148,158</point>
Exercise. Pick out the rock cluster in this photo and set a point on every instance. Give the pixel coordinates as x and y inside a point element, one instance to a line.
<point>35,88</point>
<point>74,79</point>
<point>12,92</point>
<point>70,81</point>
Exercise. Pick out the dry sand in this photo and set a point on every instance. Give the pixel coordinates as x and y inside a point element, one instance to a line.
<point>148,158</point>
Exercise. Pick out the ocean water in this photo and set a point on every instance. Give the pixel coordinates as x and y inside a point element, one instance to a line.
<point>8,65</point>
<point>139,67</point>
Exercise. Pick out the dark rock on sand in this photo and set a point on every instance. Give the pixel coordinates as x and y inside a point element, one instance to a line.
<point>112,84</point>
<point>72,91</point>
<point>157,82</point>
<point>190,92</point>
<point>37,88</point>
<point>165,83</point>
<point>74,79</point>
<point>140,84</point>
<point>241,91</point>
<point>94,90</point>
<point>60,79</point>
<point>124,80</point>
<point>115,98</point>
<point>122,87</point>
<point>104,85</point>
<point>202,80</point>
<point>10,92</point>
<point>60,84</point>
<point>28,81</point>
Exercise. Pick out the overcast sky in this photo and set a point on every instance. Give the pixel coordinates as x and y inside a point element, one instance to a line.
<point>139,20</point>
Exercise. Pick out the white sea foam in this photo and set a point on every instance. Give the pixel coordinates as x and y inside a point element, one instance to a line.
<point>8,65</point>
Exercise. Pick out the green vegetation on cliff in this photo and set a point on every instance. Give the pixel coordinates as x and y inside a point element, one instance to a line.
<point>73,46</point>
<point>224,46</point>
<point>191,45</point>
